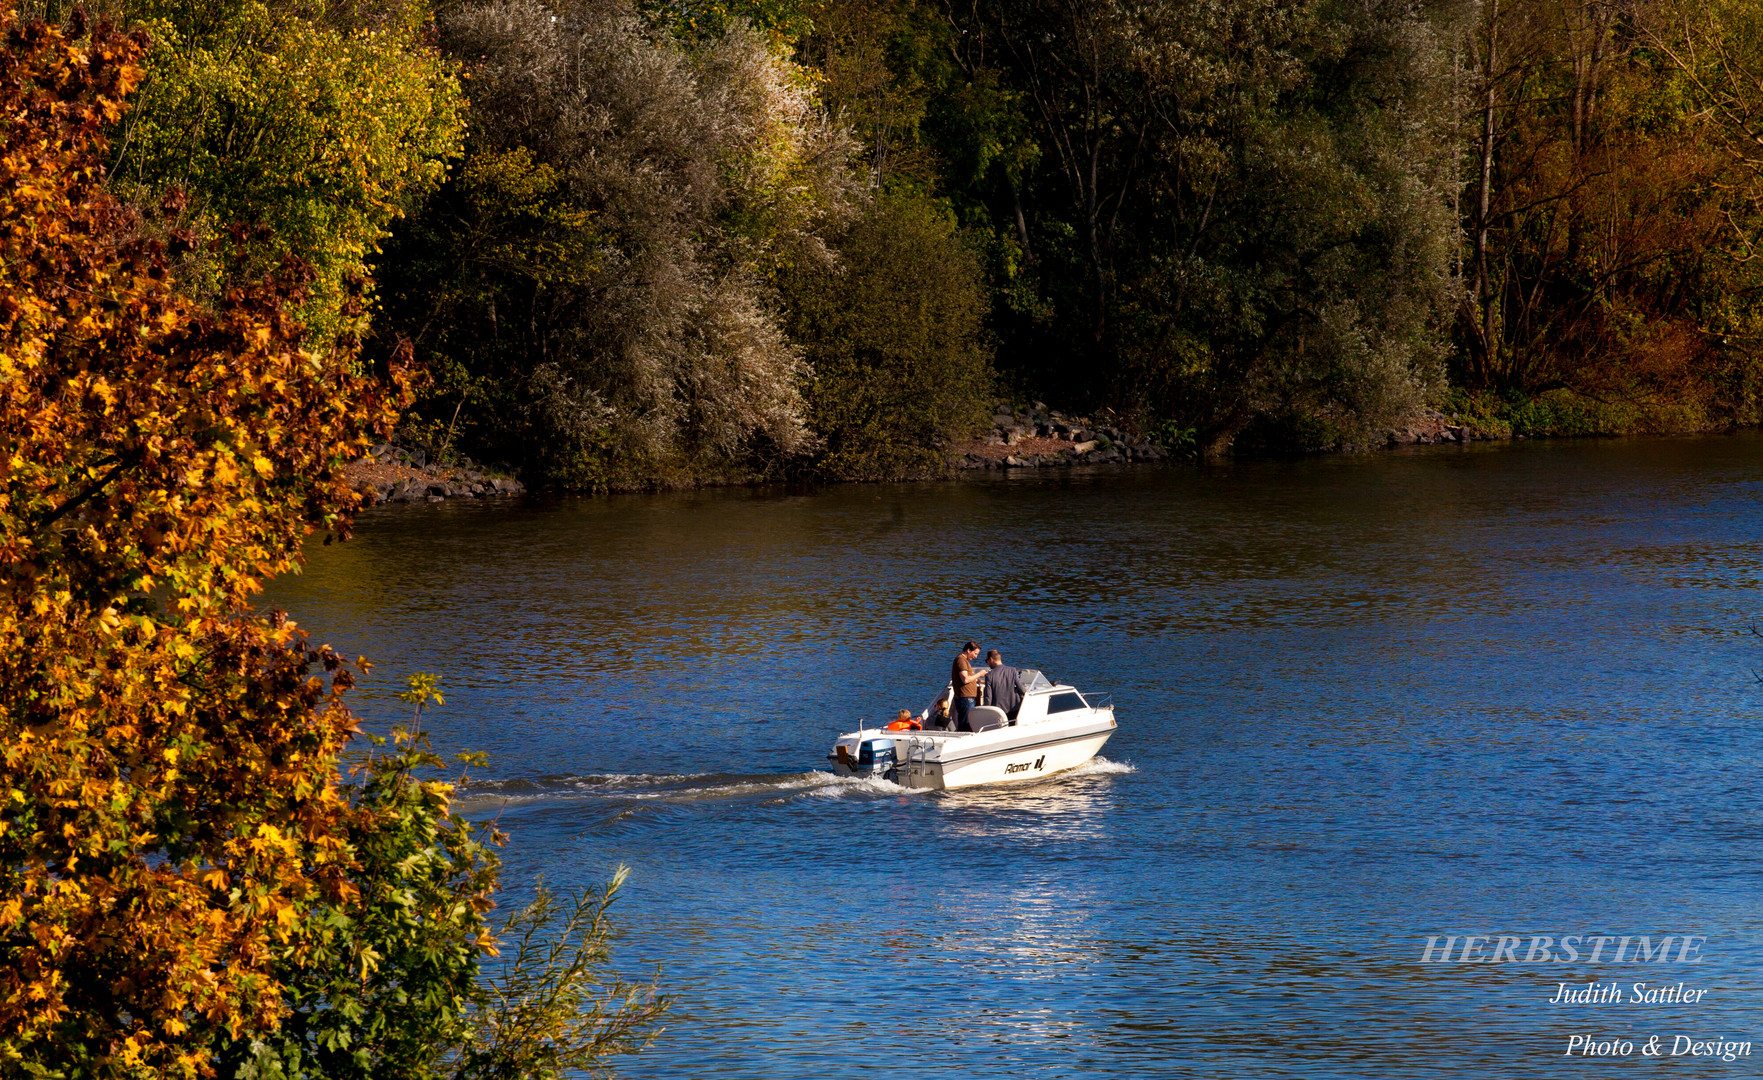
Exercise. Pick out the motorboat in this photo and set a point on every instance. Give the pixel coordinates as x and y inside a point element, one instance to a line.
<point>1057,727</point>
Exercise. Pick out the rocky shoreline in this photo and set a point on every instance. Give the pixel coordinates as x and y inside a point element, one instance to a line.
<point>1432,428</point>
<point>1035,437</point>
<point>1038,437</point>
<point>392,474</point>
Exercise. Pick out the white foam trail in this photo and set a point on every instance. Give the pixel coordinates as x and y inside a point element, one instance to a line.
<point>837,787</point>
<point>692,787</point>
<point>664,787</point>
<point>1101,766</point>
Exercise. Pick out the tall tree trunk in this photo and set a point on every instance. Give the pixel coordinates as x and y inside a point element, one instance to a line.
<point>1481,284</point>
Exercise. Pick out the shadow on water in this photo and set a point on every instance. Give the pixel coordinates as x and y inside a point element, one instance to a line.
<point>1492,690</point>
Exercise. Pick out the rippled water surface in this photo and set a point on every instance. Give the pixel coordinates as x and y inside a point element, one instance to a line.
<point>1499,690</point>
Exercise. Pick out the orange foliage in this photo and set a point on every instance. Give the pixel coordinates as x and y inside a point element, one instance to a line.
<point>168,760</point>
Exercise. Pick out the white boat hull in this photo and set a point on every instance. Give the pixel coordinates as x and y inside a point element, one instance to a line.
<point>939,760</point>
<point>1030,760</point>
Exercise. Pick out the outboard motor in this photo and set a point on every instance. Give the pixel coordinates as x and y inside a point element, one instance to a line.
<point>876,758</point>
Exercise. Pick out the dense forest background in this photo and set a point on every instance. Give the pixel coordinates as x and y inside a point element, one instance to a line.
<point>660,242</point>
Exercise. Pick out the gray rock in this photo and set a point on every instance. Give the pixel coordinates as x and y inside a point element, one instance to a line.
<point>436,498</point>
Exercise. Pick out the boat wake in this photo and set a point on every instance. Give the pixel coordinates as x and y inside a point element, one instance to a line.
<point>665,788</point>
<point>488,795</point>
<point>1100,766</point>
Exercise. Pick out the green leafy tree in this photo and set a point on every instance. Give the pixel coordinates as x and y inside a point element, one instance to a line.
<point>391,984</point>
<point>1240,212</point>
<point>318,124</point>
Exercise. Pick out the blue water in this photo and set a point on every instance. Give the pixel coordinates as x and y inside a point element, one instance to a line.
<point>1362,700</point>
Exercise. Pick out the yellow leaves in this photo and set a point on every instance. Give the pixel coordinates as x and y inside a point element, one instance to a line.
<point>271,840</point>
<point>163,423</point>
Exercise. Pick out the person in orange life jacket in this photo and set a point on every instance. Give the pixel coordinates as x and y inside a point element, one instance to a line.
<point>966,683</point>
<point>904,722</point>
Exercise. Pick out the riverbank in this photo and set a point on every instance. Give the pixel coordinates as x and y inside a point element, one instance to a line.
<point>391,474</point>
<point>1038,437</point>
<point>1028,437</point>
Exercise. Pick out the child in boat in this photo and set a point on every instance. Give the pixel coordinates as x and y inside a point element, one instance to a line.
<point>905,722</point>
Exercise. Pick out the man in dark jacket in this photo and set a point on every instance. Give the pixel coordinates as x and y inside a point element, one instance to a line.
<point>1003,684</point>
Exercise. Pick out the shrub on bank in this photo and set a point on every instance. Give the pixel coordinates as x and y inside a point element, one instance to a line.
<point>893,334</point>
<point>1566,413</point>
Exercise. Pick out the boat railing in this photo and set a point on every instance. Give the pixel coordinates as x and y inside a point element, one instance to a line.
<point>1100,701</point>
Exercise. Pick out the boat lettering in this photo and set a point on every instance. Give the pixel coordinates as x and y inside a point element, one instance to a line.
<point>1025,766</point>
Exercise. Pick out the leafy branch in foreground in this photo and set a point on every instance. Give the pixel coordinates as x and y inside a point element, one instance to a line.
<point>390,983</point>
<point>552,1011</point>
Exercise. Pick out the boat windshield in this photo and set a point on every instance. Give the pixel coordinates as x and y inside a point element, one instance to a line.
<point>1034,680</point>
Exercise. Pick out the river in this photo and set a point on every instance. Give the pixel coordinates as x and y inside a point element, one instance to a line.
<point>1363,700</point>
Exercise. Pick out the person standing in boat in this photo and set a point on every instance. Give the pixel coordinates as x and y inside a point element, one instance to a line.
<point>966,681</point>
<point>1003,684</point>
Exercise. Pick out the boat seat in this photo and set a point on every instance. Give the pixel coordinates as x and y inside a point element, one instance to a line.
<point>986,717</point>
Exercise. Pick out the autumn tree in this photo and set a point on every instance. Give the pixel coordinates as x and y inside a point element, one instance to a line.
<point>188,880</point>
<point>1607,222</point>
<point>169,759</point>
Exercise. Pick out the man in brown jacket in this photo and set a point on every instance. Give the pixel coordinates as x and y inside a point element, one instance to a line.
<point>965,680</point>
